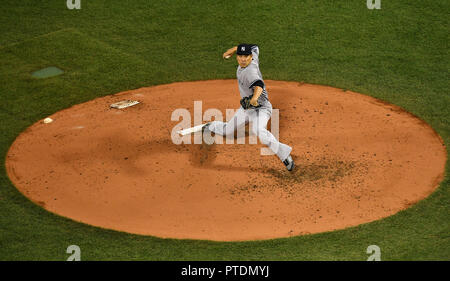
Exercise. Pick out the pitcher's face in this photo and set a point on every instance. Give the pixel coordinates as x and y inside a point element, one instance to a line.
<point>244,60</point>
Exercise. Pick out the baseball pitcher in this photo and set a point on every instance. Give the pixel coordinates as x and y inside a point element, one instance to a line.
<point>255,105</point>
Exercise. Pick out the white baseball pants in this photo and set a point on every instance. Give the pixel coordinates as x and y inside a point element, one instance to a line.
<point>259,119</point>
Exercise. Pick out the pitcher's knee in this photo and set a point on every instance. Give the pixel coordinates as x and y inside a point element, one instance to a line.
<point>264,137</point>
<point>256,130</point>
<point>217,127</point>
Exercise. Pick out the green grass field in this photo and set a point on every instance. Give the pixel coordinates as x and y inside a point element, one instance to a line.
<point>398,54</point>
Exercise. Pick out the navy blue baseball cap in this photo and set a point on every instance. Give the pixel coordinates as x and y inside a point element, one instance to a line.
<point>244,49</point>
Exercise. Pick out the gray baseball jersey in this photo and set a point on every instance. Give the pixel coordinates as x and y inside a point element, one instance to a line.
<point>249,75</point>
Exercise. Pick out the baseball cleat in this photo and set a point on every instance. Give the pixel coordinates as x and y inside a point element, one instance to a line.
<point>289,163</point>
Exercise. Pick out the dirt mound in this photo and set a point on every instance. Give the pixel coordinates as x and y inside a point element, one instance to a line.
<point>358,160</point>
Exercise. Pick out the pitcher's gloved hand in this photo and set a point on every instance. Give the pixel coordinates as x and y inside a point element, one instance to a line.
<point>245,103</point>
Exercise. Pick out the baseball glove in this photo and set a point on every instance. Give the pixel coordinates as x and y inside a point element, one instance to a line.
<point>245,103</point>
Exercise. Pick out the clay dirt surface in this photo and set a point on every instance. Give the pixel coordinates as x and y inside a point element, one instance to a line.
<point>357,160</point>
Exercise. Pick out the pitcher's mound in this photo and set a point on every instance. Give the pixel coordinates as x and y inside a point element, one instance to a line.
<point>358,160</point>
